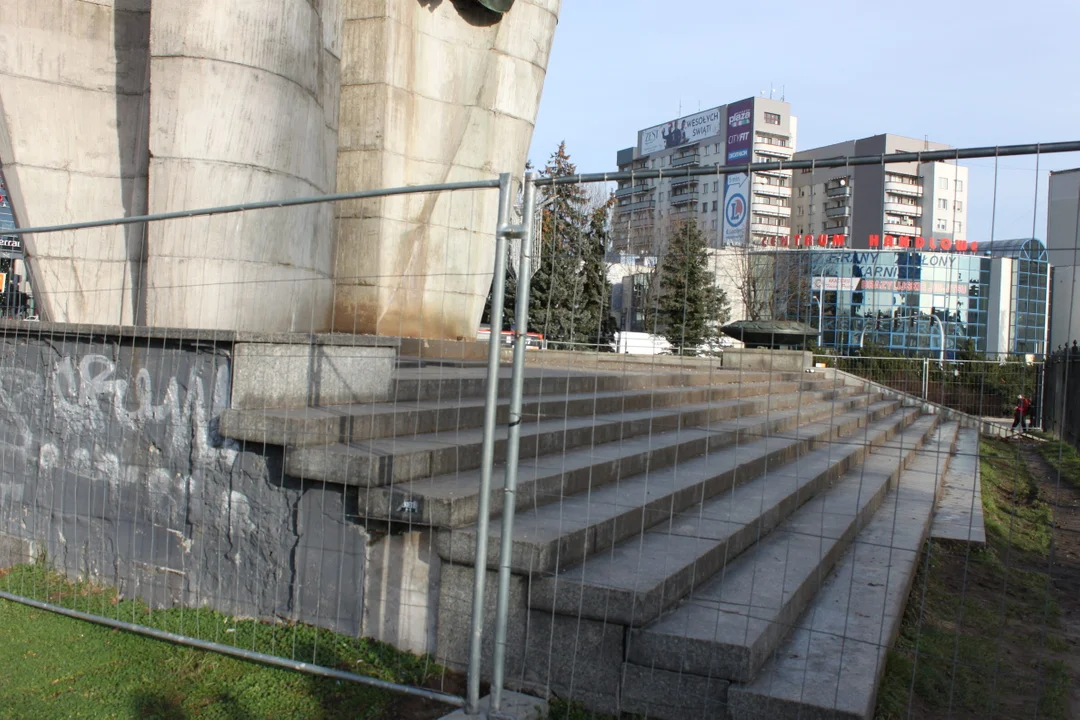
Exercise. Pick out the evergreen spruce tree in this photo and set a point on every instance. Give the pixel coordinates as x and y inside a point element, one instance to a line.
<point>690,309</point>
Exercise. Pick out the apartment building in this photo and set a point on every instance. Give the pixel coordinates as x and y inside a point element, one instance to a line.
<point>912,199</point>
<point>731,209</point>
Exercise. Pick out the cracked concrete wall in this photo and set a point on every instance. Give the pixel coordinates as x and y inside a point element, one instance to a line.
<point>74,107</point>
<point>111,463</point>
<point>244,108</point>
<point>431,91</point>
<point>110,109</point>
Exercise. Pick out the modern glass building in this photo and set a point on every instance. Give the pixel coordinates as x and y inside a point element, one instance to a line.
<point>907,301</point>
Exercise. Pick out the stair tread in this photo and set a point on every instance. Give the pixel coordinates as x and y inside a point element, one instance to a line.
<point>548,523</point>
<point>834,657</point>
<point>959,514</point>
<point>450,500</point>
<point>453,403</point>
<point>714,520</point>
<point>729,624</point>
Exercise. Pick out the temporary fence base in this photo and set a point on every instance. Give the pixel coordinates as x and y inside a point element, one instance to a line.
<point>515,706</point>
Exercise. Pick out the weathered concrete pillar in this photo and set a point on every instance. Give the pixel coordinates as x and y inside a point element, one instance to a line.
<point>74,104</point>
<point>245,108</point>
<point>432,91</point>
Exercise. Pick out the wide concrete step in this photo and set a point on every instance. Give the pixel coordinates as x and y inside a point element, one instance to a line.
<point>442,383</point>
<point>314,426</point>
<point>730,625</point>
<point>831,664</point>
<point>636,581</point>
<point>397,460</point>
<point>959,513</point>
<point>556,535</point>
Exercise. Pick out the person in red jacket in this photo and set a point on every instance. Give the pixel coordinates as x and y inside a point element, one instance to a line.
<point>1023,409</point>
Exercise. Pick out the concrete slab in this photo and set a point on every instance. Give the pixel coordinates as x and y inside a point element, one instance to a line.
<point>633,582</point>
<point>666,695</point>
<point>959,513</point>
<point>830,666</point>
<point>267,375</point>
<point>733,622</point>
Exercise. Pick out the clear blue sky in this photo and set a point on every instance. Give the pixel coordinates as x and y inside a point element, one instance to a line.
<point>962,72</point>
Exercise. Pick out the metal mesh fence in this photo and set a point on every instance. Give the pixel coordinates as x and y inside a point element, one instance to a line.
<point>674,474</point>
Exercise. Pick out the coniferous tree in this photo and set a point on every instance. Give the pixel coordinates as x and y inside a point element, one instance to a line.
<point>690,308</point>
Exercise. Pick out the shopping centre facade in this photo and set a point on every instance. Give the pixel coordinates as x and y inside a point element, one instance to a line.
<point>905,294</point>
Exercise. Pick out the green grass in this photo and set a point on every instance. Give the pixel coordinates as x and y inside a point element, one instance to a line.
<point>1063,457</point>
<point>981,627</point>
<point>55,666</point>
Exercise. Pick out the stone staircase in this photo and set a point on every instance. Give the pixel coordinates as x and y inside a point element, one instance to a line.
<point>682,535</point>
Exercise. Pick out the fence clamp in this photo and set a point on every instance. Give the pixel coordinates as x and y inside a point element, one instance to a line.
<point>513,232</point>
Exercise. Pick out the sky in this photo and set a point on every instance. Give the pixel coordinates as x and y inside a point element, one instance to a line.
<point>960,72</point>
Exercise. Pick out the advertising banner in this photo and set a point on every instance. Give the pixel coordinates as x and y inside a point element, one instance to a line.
<point>683,131</point>
<point>740,132</point>
<point>737,209</point>
<point>11,246</point>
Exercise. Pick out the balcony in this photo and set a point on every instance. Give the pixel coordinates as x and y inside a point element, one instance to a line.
<point>761,188</point>
<point>765,229</point>
<point>773,210</point>
<point>642,222</point>
<point>837,229</point>
<point>902,188</point>
<point>639,205</point>
<point>631,190</point>
<point>684,198</point>
<point>839,192</point>
<point>683,182</point>
<point>836,212</point>
<point>903,209</point>
<point>779,151</point>
<point>687,160</point>
<point>899,229</point>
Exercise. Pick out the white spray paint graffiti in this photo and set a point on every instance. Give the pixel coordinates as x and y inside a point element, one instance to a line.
<point>88,400</point>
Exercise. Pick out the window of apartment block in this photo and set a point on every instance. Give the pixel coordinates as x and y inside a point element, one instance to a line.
<point>943,183</point>
<point>661,197</point>
<point>714,206</point>
<point>959,205</point>
<point>959,186</point>
<point>941,224</point>
<point>714,224</point>
<point>943,203</point>
<point>716,186</point>
<point>772,118</point>
<point>704,207</point>
<point>958,227</point>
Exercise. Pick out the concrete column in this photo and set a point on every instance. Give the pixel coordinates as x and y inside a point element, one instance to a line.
<point>1000,313</point>
<point>73,128</point>
<point>245,105</point>
<point>432,91</point>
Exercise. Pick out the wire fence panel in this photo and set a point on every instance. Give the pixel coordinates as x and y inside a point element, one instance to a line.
<point>709,448</point>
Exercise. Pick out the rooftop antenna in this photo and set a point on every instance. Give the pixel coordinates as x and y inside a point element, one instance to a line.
<point>771,90</point>
<point>783,93</point>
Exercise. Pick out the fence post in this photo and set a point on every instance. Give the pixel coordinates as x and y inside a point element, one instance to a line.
<point>513,438</point>
<point>926,378</point>
<point>487,453</point>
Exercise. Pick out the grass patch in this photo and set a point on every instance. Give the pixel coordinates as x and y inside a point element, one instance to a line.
<point>1064,458</point>
<point>979,633</point>
<point>61,667</point>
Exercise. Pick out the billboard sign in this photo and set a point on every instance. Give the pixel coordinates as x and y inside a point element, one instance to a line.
<point>11,246</point>
<point>685,130</point>
<point>736,209</point>
<point>740,132</point>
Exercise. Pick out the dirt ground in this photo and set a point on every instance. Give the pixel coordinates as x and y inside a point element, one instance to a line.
<point>1065,559</point>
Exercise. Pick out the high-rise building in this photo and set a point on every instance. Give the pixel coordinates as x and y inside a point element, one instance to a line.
<point>1063,247</point>
<point>899,199</point>
<point>731,209</point>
